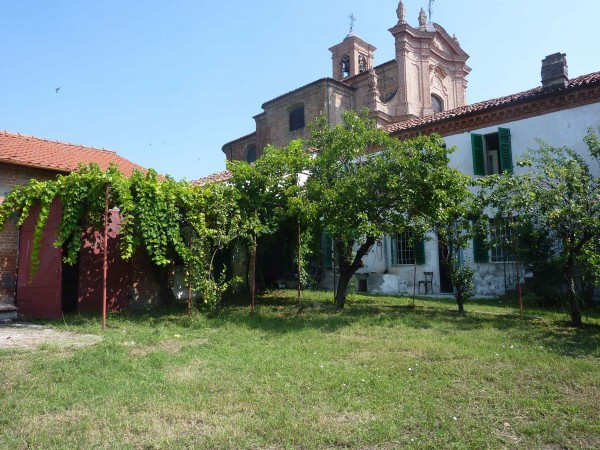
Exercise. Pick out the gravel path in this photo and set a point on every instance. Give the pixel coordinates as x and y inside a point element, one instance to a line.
<point>28,336</point>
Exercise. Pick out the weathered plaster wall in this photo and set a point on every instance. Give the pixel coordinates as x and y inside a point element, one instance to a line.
<point>561,128</point>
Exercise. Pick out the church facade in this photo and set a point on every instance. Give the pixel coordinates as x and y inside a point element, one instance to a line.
<point>423,91</point>
<point>427,76</point>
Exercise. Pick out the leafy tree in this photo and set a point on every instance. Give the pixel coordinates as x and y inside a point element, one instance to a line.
<point>365,184</point>
<point>271,192</point>
<point>215,222</point>
<point>559,197</point>
<point>461,275</point>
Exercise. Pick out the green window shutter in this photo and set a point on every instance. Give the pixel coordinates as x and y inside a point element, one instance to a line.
<point>506,161</point>
<point>394,242</point>
<point>419,251</point>
<point>480,251</point>
<point>478,156</point>
<point>327,251</point>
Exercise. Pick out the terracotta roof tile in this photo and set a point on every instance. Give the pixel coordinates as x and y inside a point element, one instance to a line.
<point>218,177</point>
<point>493,103</point>
<point>32,151</point>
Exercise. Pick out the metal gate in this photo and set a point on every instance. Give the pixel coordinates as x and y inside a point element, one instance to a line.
<point>40,297</point>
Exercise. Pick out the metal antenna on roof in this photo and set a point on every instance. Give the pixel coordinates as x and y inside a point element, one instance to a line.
<point>352,20</point>
<point>430,9</point>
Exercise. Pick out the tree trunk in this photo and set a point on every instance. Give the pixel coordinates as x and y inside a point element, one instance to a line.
<point>342,288</point>
<point>461,305</point>
<point>348,266</point>
<point>247,275</point>
<point>573,302</point>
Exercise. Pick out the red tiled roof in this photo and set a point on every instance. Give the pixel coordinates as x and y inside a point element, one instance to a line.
<point>32,151</point>
<point>531,94</point>
<point>218,177</point>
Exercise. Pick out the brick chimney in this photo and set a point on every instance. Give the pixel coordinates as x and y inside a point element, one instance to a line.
<point>555,72</point>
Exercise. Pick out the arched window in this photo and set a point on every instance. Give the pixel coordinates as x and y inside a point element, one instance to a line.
<point>297,118</point>
<point>251,154</point>
<point>437,104</point>
<point>345,66</point>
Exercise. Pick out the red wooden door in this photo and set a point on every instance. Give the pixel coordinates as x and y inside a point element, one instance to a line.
<point>41,296</point>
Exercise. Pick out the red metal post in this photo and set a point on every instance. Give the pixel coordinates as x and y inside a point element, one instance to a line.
<point>299,261</point>
<point>254,274</point>
<point>105,259</point>
<point>189,274</point>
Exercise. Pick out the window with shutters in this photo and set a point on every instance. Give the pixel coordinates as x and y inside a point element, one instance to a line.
<point>492,153</point>
<point>297,118</point>
<point>500,246</point>
<point>481,252</point>
<point>407,248</point>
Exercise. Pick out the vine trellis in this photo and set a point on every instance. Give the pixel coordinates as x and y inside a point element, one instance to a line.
<point>171,220</point>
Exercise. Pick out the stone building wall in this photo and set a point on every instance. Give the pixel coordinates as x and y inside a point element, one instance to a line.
<point>237,150</point>
<point>11,176</point>
<point>315,99</point>
<point>273,127</point>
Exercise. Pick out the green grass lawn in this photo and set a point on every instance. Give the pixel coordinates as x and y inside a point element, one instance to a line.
<point>378,374</point>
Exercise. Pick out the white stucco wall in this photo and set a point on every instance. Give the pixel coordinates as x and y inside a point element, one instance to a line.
<point>562,128</point>
<point>383,277</point>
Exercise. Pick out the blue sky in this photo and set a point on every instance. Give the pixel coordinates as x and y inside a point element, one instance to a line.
<point>167,83</point>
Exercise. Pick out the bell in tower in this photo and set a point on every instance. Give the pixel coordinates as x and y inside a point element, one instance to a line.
<point>352,56</point>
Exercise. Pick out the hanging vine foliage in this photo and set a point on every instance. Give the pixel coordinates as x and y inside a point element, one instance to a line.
<point>171,220</point>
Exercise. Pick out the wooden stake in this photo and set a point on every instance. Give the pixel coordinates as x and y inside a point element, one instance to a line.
<point>514,239</point>
<point>334,268</point>
<point>415,282</point>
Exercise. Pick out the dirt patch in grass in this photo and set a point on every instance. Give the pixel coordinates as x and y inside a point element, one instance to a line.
<point>186,373</point>
<point>170,346</point>
<point>353,418</point>
<point>27,337</point>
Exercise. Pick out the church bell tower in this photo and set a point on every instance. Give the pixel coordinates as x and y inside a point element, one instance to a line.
<point>352,56</point>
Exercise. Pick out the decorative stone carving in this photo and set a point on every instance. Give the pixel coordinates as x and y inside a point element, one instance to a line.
<point>373,89</point>
<point>422,19</point>
<point>401,12</point>
<point>372,81</point>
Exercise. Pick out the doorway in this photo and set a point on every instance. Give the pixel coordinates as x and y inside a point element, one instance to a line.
<point>70,285</point>
<point>444,256</point>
